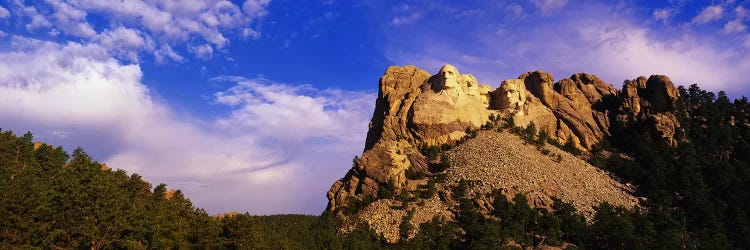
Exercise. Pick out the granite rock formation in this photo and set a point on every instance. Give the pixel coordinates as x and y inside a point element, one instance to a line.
<point>415,108</point>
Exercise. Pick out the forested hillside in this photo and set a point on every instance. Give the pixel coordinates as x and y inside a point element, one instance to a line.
<point>49,198</point>
<point>53,200</point>
<point>698,191</point>
<point>697,198</point>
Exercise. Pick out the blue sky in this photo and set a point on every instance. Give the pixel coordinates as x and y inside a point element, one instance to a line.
<point>259,105</point>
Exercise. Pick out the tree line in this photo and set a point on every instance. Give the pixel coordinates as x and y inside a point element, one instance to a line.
<point>697,197</point>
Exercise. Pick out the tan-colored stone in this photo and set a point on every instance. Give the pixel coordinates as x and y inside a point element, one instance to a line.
<point>568,104</point>
<point>416,108</point>
<point>651,100</point>
<point>511,95</point>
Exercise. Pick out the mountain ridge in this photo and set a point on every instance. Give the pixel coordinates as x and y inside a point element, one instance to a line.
<point>415,109</point>
<point>695,187</point>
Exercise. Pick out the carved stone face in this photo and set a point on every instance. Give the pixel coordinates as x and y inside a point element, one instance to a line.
<point>449,76</point>
<point>470,85</point>
<point>512,94</point>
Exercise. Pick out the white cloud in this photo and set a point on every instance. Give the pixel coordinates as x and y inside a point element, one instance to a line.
<point>548,6</point>
<point>203,51</point>
<point>301,112</point>
<point>4,13</point>
<point>70,19</point>
<point>121,37</point>
<point>255,8</point>
<point>281,144</point>
<point>75,84</point>
<point>36,20</point>
<point>622,47</point>
<point>176,22</point>
<point>664,14</point>
<point>123,43</point>
<point>686,60</point>
<point>734,26</point>
<point>165,53</point>
<point>250,33</point>
<point>171,23</point>
<point>708,14</point>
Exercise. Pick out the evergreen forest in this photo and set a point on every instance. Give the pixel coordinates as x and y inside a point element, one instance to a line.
<point>697,196</point>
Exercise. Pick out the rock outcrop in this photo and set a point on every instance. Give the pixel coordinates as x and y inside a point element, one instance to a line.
<point>651,101</point>
<point>572,101</point>
<point>415,109</point>
<point>502,161</point>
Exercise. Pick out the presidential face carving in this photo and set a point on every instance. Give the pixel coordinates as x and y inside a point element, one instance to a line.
<point>470,85</point>
<point>512,94</point>
<point>448,77</point>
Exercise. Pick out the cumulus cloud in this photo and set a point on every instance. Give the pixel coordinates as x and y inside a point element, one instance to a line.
<point>56,73</point>
<point>280,144</point>
<point>709,14</point>
<point>171,23</point>
<point>203,51</point>
<point>35,20</point>
<point>255,8</point>
<point>70,19</point>
<point>165,54</point>
<point>302,111</point>
<point>121,37</point>
<point>123,42</point>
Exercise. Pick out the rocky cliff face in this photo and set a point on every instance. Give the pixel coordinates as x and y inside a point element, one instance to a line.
<point>415,108</point>
<point>651,100</point>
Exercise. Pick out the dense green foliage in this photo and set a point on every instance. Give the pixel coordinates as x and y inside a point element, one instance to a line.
<point>518,224</point>
<point>51,199</point>
<point>698,190</point>
<point>697,198</point>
